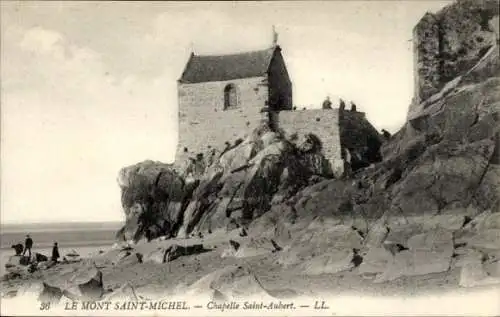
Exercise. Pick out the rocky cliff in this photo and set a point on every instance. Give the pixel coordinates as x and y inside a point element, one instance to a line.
<point>219,190</point>
<point>432,202</point>
<point>451,41</point>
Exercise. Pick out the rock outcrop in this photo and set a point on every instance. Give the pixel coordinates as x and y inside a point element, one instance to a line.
<point>450,42</point>
<point>236,188</point>
<point>153,198</point>
<point>417,208</point>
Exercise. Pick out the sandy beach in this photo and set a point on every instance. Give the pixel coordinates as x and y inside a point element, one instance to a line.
<point>345,293</point>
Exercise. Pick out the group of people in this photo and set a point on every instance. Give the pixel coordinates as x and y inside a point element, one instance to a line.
<point>28,245</point>
<point>327,104</point>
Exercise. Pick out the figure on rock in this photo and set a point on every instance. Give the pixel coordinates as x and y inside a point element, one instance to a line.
<point>55,252</point>
<point>342,105</point>
<point>28,244</point>
<point>353,107</point>
<point>327,104</point>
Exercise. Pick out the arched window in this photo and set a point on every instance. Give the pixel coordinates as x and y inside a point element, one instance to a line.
<point>230,97</point>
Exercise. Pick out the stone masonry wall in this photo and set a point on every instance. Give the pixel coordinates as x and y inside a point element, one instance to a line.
<point>322,122</point>
<point>203,121</point>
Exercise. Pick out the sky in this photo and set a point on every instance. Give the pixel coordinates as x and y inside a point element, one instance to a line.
<point>90,87</point>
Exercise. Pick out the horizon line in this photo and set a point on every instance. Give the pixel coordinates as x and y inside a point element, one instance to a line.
<point>58,222</point>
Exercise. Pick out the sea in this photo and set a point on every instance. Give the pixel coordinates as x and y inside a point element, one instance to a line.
<point>84,238</point>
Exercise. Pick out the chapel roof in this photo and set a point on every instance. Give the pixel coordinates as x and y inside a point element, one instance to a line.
<point>206,68</point>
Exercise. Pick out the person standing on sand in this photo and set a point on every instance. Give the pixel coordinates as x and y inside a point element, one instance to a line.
<point>55,252</point>
<point>28,244</point>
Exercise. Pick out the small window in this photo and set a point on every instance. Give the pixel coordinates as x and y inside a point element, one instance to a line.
<point>230,97</point>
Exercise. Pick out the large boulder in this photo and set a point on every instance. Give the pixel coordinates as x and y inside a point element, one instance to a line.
<point>72,256</point>
<point>18,248</point>
<point>40,257</point>
<point>428,252</point>
<point>175,251</point>
<point>50,294</point>
<point>153,198</point>
<point>85,285</point>
<point>232,282</point>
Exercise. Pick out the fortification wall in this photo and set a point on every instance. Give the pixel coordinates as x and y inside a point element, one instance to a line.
<point>203,121</point>
<point>322,122</point>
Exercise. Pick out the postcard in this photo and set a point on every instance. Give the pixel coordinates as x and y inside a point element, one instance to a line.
<point>279,158</point>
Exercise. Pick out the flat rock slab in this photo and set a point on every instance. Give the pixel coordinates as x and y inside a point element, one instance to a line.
<point>376,235</point>
<point>472,256</point>
<point>492,221</point>
<point>450,222</point>
<point>375,261</point>
<point>473,274</point>
<point>311,243</point>
<point>46,265</point>
<point>493,268</point>
<point>429,252</point>
<point>334,261</point>
<point>400,235</point>
<point>412,263</point>
<point>435,240</point>
<point>486,239</point>
<point>125,292</point>
<point>256,247</point>
<point>232,282</point>
<point>485,220</point>
<point>155,256</point>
